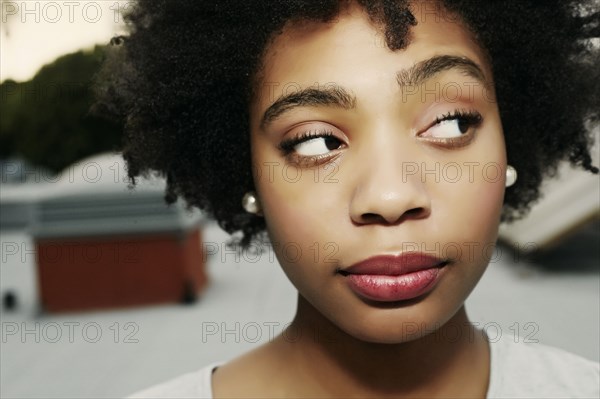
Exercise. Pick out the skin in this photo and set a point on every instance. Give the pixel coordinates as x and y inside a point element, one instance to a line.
<point>360,201</point>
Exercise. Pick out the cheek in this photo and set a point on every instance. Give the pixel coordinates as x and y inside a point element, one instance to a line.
<point>471,209</point>
<point>294,208</point>
<point>470,198</point>
<point>487,208</point>
<point>474,209</point>
<point>297,202</point>
<point>289,220</point>
<point>298,235</point>
<point>467,201</point>
<point>304,220</point>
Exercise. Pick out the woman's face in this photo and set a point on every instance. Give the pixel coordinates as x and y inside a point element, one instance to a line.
<point>361,151</point>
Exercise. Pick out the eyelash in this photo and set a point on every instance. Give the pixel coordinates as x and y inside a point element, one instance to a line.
<point>473,118</point>
<point>287,146</point>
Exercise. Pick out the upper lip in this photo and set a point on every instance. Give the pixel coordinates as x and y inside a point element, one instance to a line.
<point>394,265</point>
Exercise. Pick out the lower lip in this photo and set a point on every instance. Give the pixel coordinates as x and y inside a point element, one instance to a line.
<point>384,288</point>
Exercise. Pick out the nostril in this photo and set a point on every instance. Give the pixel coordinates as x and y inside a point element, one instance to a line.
<point>415,212</point>
<point>372,218</point>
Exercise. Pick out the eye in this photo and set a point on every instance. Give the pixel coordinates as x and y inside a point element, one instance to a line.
<point>318,146</point>
<point>453,125</point>
<point>311,144</point>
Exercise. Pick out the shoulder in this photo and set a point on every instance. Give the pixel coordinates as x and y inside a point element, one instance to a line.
<point>520,369</point>
<point>196,384</point>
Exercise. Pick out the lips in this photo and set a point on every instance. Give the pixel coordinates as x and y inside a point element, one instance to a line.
<point>394,278</point>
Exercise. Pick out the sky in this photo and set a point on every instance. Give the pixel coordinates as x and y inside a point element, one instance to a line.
<point>35,33</point>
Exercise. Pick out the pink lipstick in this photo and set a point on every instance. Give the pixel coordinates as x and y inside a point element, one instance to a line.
<point>387,278</point>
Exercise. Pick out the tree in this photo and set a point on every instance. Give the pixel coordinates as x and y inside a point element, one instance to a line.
<point>47,120</point>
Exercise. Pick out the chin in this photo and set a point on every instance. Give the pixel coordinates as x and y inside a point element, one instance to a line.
<point>395,323</point>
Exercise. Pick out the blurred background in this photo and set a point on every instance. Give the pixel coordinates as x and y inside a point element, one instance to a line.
<point>105,290</point>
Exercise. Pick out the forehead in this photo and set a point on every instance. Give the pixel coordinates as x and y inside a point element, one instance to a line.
<point>353,48</point>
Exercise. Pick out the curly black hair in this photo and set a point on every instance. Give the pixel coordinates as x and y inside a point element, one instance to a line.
<point>182,80</point>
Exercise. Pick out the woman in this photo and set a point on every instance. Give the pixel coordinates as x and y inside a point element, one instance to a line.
<point>382,140</point>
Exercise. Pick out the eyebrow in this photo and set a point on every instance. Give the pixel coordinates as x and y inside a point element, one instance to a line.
<point>425,70</point>
<point>337,96</point>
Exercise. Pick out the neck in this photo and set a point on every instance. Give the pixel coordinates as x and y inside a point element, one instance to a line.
<point>335,363</point>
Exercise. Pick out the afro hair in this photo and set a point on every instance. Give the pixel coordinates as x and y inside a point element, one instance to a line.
<point>182,79</point>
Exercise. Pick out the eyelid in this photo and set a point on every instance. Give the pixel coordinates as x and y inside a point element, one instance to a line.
<point>305,132</point>
<point>455,114</point>
<point>304,161</point>
<point>475,117</point>
<point>452,142</point>
<point>287,145</point>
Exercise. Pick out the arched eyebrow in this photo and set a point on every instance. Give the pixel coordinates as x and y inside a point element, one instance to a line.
<point>329,96</point>
<point>427,69</point>
<point>337,96</point>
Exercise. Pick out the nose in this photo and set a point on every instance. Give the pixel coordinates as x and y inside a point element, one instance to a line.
<point>389,190</point>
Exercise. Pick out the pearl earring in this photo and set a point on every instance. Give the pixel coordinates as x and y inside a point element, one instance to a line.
<point>511,175</point>
<point>250,203</point>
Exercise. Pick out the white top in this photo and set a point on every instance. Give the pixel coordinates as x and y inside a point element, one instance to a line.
<point>191,385</point>
<point>517,370</point>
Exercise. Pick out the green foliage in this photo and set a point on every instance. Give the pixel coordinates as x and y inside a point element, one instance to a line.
<point>47,120</point>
